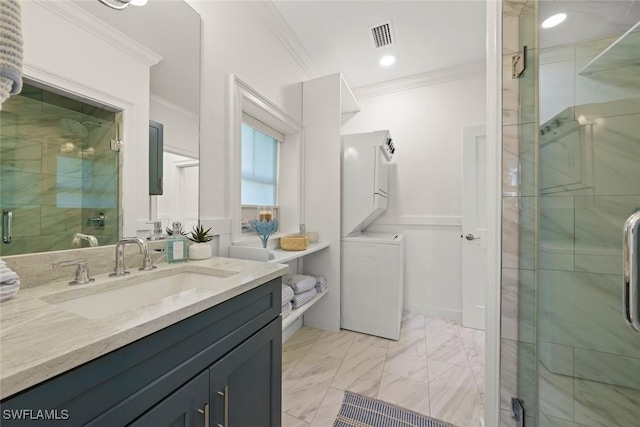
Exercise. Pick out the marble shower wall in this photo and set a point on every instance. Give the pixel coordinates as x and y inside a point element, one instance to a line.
<point>588,359</point>
<point>519,139</point>
<point>57,171</point>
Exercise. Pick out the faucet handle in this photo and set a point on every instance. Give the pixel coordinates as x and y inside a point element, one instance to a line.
<point>82,272</point>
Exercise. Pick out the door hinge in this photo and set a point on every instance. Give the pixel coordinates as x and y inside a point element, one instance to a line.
<point>517,411</point>
<point>519,63</point>
<point>116,144</point>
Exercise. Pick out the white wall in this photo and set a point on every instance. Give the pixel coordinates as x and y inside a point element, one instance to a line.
<point>180,126</point>
<point>236,40</point>
<point>425,202</point>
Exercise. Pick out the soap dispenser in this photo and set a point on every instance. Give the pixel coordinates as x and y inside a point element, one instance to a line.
<point>176,245</point>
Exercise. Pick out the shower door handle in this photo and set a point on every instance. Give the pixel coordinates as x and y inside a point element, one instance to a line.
<point>7,226</point>
<point>630,283</point>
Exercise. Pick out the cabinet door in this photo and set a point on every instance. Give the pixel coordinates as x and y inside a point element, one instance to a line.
<point>184,407</point>
<point>246,384</point>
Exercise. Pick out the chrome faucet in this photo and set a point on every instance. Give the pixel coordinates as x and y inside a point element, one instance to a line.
<point>147,262</point>
<point>82,271</point>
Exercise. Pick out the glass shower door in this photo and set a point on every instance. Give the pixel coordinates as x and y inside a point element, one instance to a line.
<point>587,357</point>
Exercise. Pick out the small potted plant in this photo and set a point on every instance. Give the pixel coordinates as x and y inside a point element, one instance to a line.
<point>201,247</point>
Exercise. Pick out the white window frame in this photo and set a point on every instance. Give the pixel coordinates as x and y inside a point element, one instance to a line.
<point>244,99</point>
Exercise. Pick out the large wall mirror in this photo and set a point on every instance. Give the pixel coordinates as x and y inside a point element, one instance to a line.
<point>61,185</point>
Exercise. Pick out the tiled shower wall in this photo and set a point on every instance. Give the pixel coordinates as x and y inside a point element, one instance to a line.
<point>570,179</point>
<point>519,139</point>
<point>57,171</point>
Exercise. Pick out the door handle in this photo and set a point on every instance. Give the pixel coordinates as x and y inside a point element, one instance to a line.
<point>630,285</point>
<point>225,414</point>
<point>471,237</point>
<point>205,412</point>
<point>7,226</point>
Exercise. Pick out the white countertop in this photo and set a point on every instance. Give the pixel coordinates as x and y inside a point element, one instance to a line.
<point>39,340</point>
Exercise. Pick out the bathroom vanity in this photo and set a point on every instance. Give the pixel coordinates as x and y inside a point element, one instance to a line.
<point>207,353</point>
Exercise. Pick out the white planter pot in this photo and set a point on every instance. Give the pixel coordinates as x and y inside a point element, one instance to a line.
<point>200,251</point>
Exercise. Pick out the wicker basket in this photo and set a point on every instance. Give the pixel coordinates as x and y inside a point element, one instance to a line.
<point>294,242</point>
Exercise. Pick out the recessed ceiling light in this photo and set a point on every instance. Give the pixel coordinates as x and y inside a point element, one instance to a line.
<point>387,60</point>
<point>554,20</point>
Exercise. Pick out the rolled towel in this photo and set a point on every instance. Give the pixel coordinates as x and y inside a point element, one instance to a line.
<point>9,289</point>
<point>287,294</point>
<point>301,299</point>
<point>286,309</point>
<point>10,49</point>
<point>7,275</point>
<point>299,282</point>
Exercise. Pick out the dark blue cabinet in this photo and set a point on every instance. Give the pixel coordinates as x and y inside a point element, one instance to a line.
<point>236,344</point>
<point>246,384</point>
<point>185,407</point>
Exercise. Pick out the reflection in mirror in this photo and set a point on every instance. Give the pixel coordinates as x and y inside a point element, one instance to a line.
<point>174,98</point>
<point>60,181</point>
<point>180,199</point>
<point>59,175</point>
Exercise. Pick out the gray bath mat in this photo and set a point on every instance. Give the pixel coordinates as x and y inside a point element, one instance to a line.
<point>362,411</point>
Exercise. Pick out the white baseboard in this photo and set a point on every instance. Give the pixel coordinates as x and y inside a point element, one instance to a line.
<point>427,310</point>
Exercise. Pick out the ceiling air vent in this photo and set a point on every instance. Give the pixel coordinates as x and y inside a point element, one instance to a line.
<point>382,34</point>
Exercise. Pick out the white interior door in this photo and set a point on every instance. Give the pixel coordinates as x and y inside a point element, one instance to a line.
<point>474,225</point>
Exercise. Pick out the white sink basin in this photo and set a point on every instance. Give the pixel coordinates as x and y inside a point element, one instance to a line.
<point>161,290</point>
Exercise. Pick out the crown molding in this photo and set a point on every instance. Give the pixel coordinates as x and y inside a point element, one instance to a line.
<point>175,107</point>
<point>88,22</point>
<point>285,34</point>
<point>443,75</point>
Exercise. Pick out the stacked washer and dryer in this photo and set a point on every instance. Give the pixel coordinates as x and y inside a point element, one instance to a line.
<point>372,268</point>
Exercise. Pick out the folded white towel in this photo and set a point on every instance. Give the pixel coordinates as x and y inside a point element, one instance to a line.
<point>286,310</point>
<point>287,294</point>
<point>302,298</point>
<point>299,282</point>
<point>321,287</point>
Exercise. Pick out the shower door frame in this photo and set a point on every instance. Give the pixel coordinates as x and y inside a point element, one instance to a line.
<point>494,214</point>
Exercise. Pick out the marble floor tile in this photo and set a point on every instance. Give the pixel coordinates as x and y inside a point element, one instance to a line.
<point>435,369</point>
<point>446,346</point>
<point>408,358</point>
<point>291,356</point>
<point>305,387</point>
<point>454,397</point>
<point>289,421</point>
<point>437,324</point>
<point>412,325</point>
<point>405,392</point>
<point>303,336</point>
<point>321,364</point>
<point>372,340</point>
<point>361,370</point>
<point>334,344</point>
<point>329,408</point>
